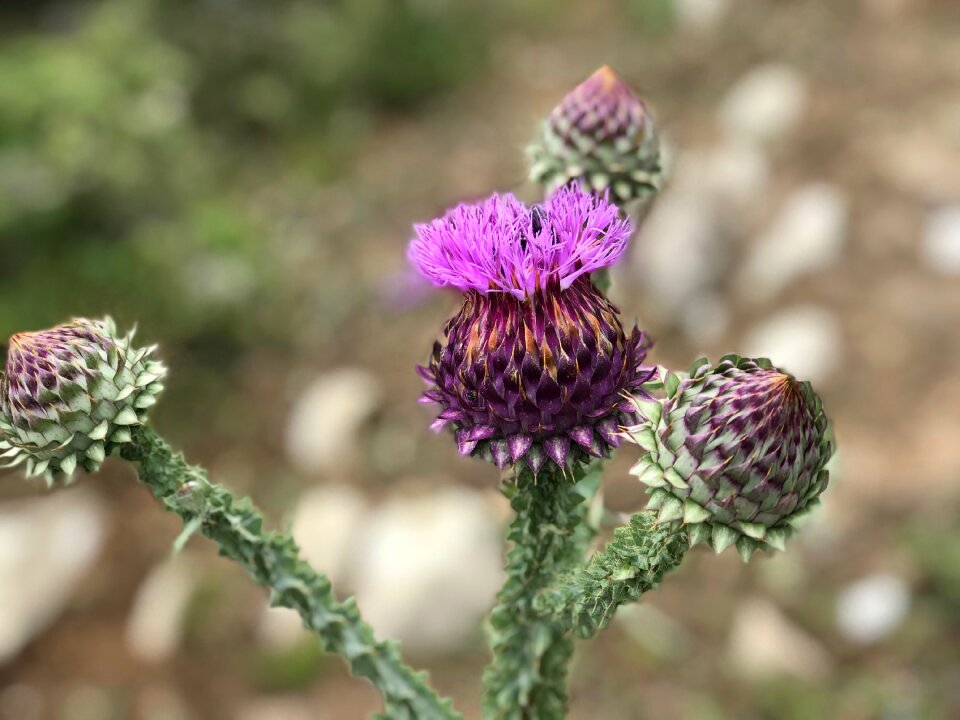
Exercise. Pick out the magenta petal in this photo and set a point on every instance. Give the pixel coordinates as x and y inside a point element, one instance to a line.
<point>452,414</point>
<point>558,449</point>
<point>500,452</point>
<point>535,458</point>
<point>582,435</point>
<point>519,444</point>
<point>425,373</point>
<point>482,432</point>
<point>610,431</point>
<point>438,424</point>
<point>464,444</point>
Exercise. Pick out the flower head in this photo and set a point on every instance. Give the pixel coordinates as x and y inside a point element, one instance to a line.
<point>536,365</point>
<point>499,245</point>
<point>602,135</point>
<point>737,452</point>
<point>68,395</point>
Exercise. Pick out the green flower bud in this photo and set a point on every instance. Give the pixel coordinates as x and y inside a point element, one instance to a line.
<point>69,396</point>
<point>736,453</point>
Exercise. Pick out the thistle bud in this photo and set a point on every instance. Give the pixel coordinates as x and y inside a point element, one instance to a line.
<point>736,453</point>
<point>600,136</point>
<point>69,396</point>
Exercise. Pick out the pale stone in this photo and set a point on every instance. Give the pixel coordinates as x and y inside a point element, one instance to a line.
<point>872,608</point>
<point>46,547</point>
<point>700,16</point>
<point>808,234</point>
<point>941,241</point>
<point>155,625</point>
<point>431,568</point>
<point>765,644</point>
<point>679,252</point>
<point>805,340</point>
<point>323,429</point>
<point>765,104</point>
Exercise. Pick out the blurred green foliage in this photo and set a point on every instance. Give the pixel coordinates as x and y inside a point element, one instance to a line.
<point>137,135</point>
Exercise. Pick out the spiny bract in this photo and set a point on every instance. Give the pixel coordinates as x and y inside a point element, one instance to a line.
<point>736,452</point>
<point>70,394</point>
<point>602,136</point>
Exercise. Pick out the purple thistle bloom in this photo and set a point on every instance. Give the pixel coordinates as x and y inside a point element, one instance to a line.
<point>499,245</point>
<point>536,365</point>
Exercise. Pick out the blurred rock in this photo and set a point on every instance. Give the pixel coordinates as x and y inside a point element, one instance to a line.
<point>766,644</point>
<point>736,172</point>
<point>700,16</point>
<point>47,544</point>
<point>705,320</point>
<point>431,568</point>
<point>325,422</point>
<point>21,702</point>
<point>765,104</point>
<point>282,709</point>
<point>328,528</point>
<point>873,607</point>
<point>654,631</point>
<point>941,241</point>
<point>805,340</point>
<point>155,625</point>
<point>679,252</point>
<point>807,235</point>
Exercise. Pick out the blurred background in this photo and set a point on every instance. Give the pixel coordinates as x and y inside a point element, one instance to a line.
<point>240,178</point>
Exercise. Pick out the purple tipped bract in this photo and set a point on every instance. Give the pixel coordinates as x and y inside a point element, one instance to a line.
<point>536,366</point>
<point>499,245</point>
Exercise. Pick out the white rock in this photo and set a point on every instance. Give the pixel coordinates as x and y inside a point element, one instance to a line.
<point>700,15</point>
<point>705,319</point>
<point>737,172</point>
<point>155,625</point>
<point>765,104</point>
<point>873,607</point>
<point>282,709</point>
<point>329,413</point>
<point>941,240</point>
<point>679,254</point>
<point>805,340</point>
<point>431,568</point>
<point>807,235</point>
<point>46,546</point>
<point>765,644</point>
<point>328,528</point>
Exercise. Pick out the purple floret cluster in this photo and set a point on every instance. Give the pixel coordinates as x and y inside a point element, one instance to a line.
<point>500,245</point>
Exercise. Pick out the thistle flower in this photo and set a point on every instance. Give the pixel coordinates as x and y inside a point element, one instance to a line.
<point>69,395</point>
<point>601,135</point>
<point>736,453</point>
<point>536,365</point>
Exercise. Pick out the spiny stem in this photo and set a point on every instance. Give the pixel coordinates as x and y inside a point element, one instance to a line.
<point>272,559</point>
<point>531,651</point>
<point>584,599</point>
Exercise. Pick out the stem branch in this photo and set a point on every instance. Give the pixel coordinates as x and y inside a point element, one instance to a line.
<point>272,559</point>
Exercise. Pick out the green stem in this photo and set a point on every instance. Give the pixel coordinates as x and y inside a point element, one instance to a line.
<point>583,600</point>
<point>531,651</point>
<point>272,559</point>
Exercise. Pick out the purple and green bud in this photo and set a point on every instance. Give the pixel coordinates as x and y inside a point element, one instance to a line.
<point>601,136</point>
<point>536,367</point>
<point>69,396</point>
<point>736,453</point>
